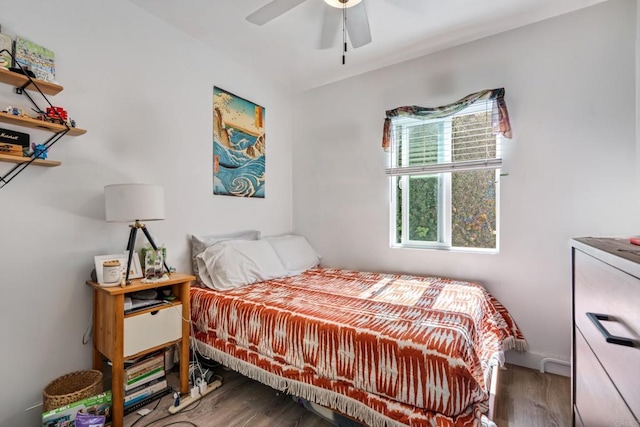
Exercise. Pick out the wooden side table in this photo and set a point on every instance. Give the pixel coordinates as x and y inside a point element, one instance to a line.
<point>119,336</point>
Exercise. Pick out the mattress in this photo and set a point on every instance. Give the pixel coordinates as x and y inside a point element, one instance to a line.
<point>384,349</point>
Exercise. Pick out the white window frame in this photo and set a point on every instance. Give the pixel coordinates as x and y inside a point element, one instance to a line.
<point>445,192</point>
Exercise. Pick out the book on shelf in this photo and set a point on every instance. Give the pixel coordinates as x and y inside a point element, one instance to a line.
<point>160,391</point>
<point>141,374</point>
<point>143,379</point>
<point>5,57</point>
<point>132,398</point>
<point>145,401</point>
<point>39,59</point>
<point>133,364</point>
<point>143,367</point>
<point>145,385</point>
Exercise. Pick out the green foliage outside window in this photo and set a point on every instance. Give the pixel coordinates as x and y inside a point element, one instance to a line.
<point>473,202</point>
<point>423,214</point>
<point>473,209</point>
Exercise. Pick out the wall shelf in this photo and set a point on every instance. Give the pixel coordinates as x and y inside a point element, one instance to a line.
<point>24,85</point>
<point>22,81</point>
<point>39,124</point>
<point>40,162</point>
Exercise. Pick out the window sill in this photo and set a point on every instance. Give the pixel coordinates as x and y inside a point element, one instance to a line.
<point>482,251</point>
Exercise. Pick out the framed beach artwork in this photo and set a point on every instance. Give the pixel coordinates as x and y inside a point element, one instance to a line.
<point>238,146</point>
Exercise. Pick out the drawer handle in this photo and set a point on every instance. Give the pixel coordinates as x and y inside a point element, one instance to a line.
<point>596,318</point>
<point>153,313</point>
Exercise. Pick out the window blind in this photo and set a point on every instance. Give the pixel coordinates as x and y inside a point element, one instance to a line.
<point>455,137</point>
<point>458,142</point>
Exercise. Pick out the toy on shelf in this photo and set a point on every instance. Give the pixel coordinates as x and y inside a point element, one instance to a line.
<point>56,115</point>
<point>39,151</point>
<point>13,110</point>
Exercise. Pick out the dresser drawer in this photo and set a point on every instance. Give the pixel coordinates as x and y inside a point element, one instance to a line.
<point>596,398</point>
<point>152,329</point>
<point>602,289</point>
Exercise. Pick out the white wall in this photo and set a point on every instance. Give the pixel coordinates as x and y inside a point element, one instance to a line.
<point>144,93</point>
<point>570,89</point>
<point>637,64</point>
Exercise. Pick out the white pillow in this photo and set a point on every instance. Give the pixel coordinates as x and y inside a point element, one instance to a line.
<point>295,253</point>
<point>200,243</point>
<point>233,263</point>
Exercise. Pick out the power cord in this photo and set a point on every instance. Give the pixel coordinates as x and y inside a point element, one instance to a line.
<point>170,424</point>
<point>195,368</point>
<point>176,400</point>
<point>142,416</point>
<point>194,358</point>
<point>86,337</point>
<point>206,361</point>
<point>180,422</point>
<point>169,415</point>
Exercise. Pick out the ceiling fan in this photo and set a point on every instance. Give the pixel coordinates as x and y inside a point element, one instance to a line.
<point>352,13</point>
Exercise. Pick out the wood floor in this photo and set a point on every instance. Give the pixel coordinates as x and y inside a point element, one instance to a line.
<point>529,398</point>
<point>526,398</point>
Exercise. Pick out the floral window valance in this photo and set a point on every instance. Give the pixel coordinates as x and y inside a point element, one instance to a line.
<point>500,115</point>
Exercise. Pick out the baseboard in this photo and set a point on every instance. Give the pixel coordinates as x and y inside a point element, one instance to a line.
<point>546,362</point>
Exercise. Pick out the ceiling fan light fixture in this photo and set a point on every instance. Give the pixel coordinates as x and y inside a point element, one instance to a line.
<point>340,4</point>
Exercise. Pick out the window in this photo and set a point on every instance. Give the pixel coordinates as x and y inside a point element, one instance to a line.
<point>444,171</point>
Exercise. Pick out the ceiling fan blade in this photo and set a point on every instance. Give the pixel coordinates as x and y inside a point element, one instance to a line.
<point>358,25</point>
<point>272,10</point>
<point>330,23</point>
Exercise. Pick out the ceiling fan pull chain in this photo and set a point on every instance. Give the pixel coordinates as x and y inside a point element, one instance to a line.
<point>344,31</point>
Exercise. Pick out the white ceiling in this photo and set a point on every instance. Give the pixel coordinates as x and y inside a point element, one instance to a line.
<point>285,49</point>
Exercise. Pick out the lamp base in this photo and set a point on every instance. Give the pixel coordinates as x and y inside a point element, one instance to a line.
<point>132,243</point>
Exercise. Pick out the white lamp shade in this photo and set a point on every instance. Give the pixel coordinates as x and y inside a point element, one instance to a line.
<point>130,202</point>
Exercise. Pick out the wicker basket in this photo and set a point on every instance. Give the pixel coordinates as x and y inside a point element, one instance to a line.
<point>70,388</point>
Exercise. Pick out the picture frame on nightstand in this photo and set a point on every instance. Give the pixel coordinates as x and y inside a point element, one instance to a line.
<point>123,258</point>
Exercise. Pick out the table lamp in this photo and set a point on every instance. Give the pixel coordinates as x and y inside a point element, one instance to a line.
<point>134,203</point>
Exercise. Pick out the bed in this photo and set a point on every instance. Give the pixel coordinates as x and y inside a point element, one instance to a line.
<point>383,349</point>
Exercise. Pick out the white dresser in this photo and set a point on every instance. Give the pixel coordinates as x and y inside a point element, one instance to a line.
<point>606,332</point>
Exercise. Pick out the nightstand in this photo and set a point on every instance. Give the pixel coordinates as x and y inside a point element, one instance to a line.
<point>119,336</point>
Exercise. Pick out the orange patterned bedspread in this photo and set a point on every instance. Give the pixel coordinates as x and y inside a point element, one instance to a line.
<point>385,349</point>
